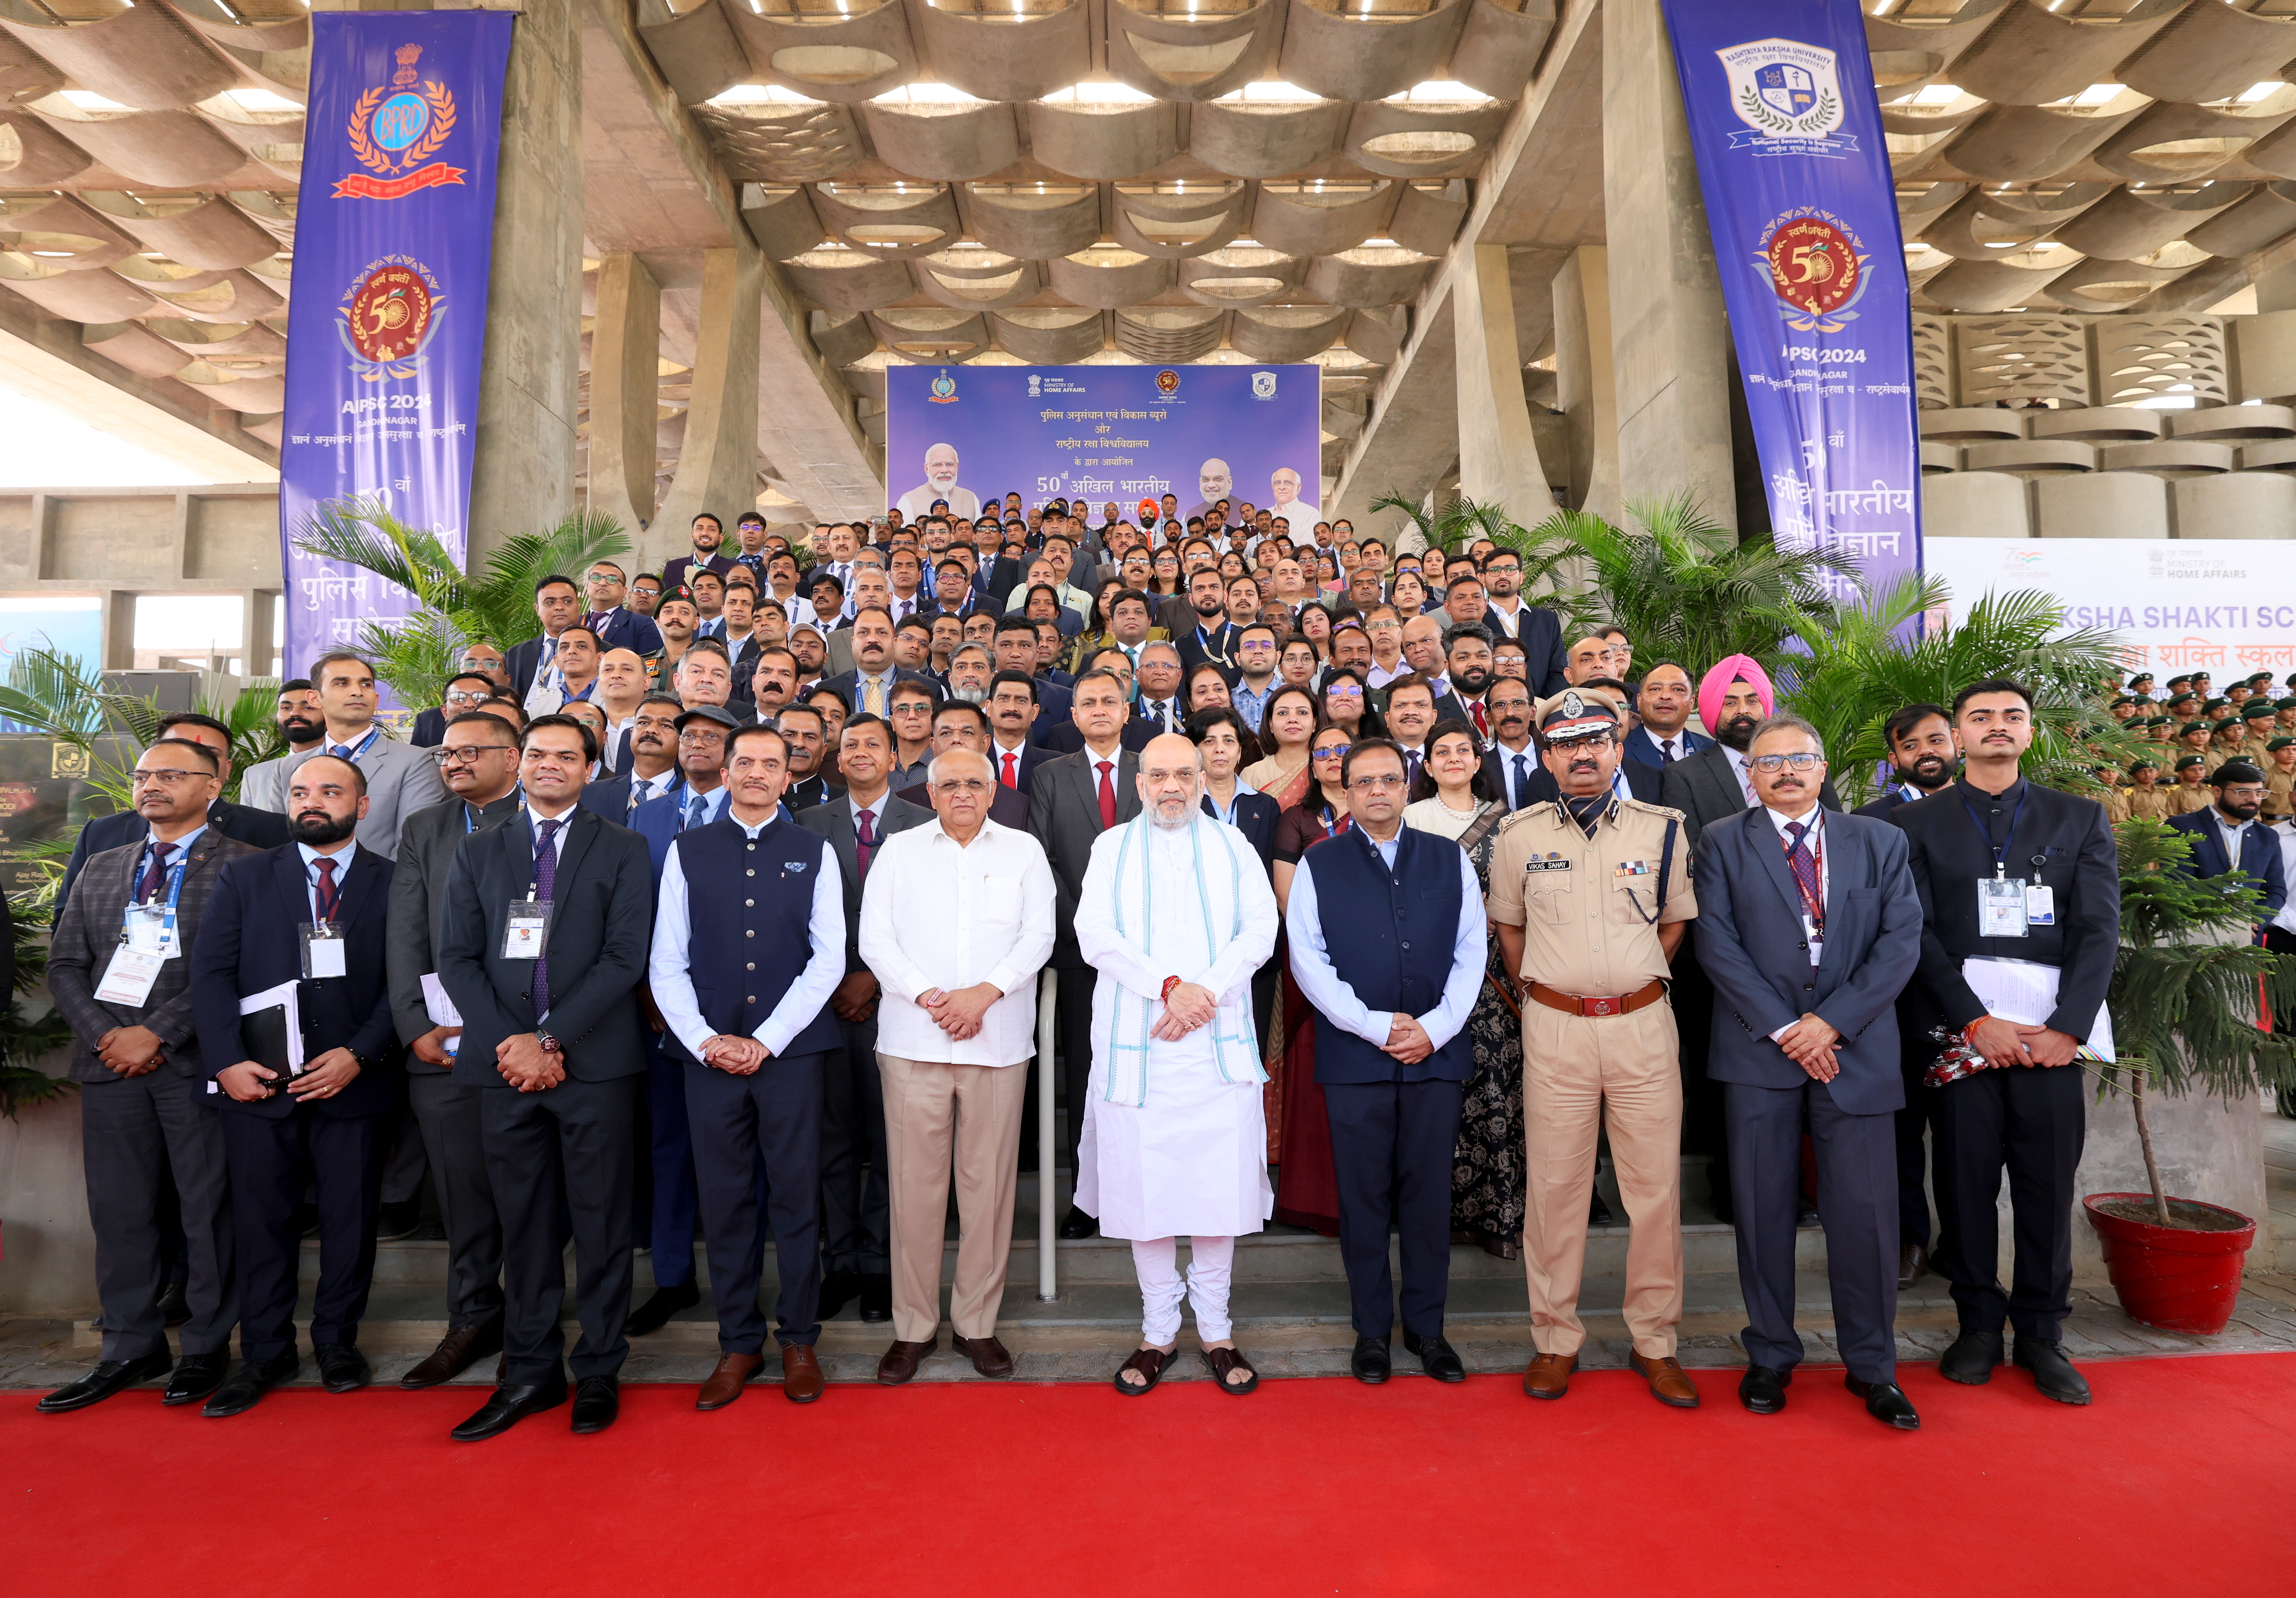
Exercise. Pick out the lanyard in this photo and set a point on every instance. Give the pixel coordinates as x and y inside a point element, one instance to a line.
<point>372,734</point>
<point>1333,829</point>
<point>1814,839</point>
<point>2000,853</point>
<point>175,891</point>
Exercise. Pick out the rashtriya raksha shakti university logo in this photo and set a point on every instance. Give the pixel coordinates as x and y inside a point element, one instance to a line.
<point>394,130</point>
<point>1816,267</point>
<point>390,314</point>
<point>1789,96</point>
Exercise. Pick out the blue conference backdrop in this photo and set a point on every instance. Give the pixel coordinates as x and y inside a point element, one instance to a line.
<point>1803,209</point>
<point>969,434</point>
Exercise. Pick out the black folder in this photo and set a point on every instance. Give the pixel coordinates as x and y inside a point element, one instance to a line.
<point>263,1038</point>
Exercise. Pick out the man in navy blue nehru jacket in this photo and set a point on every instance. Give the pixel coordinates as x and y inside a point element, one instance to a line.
<point>1387,944</point>
<point>748,943</point>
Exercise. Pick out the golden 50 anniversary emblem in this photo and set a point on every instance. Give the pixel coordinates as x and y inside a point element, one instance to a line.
<point>393,133</point>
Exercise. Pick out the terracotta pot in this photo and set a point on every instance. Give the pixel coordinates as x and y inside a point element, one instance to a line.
<point>2173,1278</point>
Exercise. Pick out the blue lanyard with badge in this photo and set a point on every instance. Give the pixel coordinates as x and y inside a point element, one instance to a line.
<point>148,940</point>
<point>2009,907</point>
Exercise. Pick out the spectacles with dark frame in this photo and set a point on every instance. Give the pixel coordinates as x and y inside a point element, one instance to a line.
<point>1774,762</point>
<point>166,776</point>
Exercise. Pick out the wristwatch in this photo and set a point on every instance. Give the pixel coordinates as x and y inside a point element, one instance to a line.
<point>550,1045</point>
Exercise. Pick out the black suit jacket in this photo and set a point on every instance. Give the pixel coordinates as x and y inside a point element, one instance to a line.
<point>264,829</point>
<point>427,842</point>
<point>1065,816</point>
<point>1705,789</point>
<point>1068,737</point>
<point>1256,815</point>
<point>1007,808</point>
<point>835,824</point>
<point>599,931</point>
<point>1031,756</point>
<point>1540,633</point>
<point>251,937</point>
<point>1497,759</point>
<point>1641,746</point>
<point>430,728</point>
<point>679,568</point>
<point>1193,651</point>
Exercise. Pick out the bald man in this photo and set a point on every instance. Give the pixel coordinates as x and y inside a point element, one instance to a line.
<point>1215,480</point>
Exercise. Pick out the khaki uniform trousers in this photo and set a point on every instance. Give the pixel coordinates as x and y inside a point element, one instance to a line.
<point>936,1114</point>
<point>1573,1067</point>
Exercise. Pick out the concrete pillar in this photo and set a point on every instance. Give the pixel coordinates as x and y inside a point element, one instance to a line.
<point>1498,458</point>
<point>717,464</point>
<point>257,640</point>
<point>625,387</point>
<point>1670,344</point>
<point>522,475</point>
<point>1585,390</point>
<point>119,629</point>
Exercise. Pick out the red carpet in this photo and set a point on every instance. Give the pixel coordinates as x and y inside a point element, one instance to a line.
<point>2176,1481</point>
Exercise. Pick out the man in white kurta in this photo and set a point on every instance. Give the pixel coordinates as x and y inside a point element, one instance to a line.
<point>1176,912</point>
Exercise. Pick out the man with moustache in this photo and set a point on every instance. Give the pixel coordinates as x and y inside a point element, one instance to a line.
<point>1199,623</point>
<point>960,725</point>
<point>969,670</point>
<point>1511,765</point>
<point>1536,628</point>
<point>771,681</point>
<point>2227,838</point>
<point>1663,706</point>
<point>1467,662</point>
<point>708,533</point>
<point>264,785</point>
<point>398,779</point>
<point>1923,755</point>
<point>260,828</point>
<point>652,761</point>
<point>610,621</point>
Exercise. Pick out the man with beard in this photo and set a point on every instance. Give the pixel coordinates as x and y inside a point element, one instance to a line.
<point>1662,706</point>
<point>708,533</point>
<point>2227,837</point>
<point>1538,629</point>
<point>653,762</point>
<point>264,787</point>
<point>969,670</point>
<point>1922,754</point>
<point>1199,623</point>
<point>312,912</point>
<point>1467,663</point>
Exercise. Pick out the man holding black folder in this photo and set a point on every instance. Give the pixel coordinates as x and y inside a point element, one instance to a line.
<point>541,943</point>
<point>304,920</point>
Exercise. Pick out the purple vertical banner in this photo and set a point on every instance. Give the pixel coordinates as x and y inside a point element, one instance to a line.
<point>394,237</point>
<point>1803,209</point>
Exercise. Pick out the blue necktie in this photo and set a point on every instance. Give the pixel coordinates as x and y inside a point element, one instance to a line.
<point>546,882</point>
<point>1521,779</point>
<point>340,751</point>
<point>696,809</point>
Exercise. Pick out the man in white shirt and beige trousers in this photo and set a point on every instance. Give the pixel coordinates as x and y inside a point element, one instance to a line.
<point>1176,914</point>
<point>957,920</point>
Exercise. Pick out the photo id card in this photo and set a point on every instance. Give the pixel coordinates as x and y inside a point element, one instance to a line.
<point>150,929</point>
<point>2041,906</point>
<point>128,979</point>
<point>526,930</point>
<point>2001,906</point>
<point>324,953</point>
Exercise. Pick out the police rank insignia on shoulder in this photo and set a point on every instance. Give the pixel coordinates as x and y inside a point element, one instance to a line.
<point>1547,862</point>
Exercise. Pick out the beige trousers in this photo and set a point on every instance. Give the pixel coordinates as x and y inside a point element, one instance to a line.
<point>934,1114</point>
<point>1573,1067</point>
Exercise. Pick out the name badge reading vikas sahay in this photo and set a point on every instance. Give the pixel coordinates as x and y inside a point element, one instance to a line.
<point>1549,862</point>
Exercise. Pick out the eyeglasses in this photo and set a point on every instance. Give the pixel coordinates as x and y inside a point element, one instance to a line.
<point>698,738</point>
<point>973,786</point>
<point>1770,762</point>
<point>168,776</point>
<point>1338,751</point>
<point>470,756</point>
<point>1375,784</point>
<point>466,698</point>
<point>1349,693</point>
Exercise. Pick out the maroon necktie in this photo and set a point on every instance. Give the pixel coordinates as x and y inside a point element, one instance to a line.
<point>1806,872</point>
<point>865,841</point>
<point>1107,795</point>
<point>328,895</point>
<point>155,873</point>
<point>1482,725</point>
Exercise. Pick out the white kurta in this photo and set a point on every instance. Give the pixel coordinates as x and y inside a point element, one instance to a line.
<point>1174,1140</point>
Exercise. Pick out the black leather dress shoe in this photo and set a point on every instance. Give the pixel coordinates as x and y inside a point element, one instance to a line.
<point>248,1383</point>
<point>174,1308</point>
<point>2052,1373</point>
<point>1076,1225</point>
<point>196,1376</point>
<point>877,1297</point>
<point>838,1289</point>
<point>343,1368</point>
<point>1763,1390</point>
<point>1972,1358</point>
<point>654,1314</point>
<point>1886,1402</point>
<point>394,1223</point>
<point>108,1377</point>
<point>507,1406</point>
<point>1436,1357</point>
<point>597,1400</point>
<point>1370,1362</point>
<point>1912,1259</point>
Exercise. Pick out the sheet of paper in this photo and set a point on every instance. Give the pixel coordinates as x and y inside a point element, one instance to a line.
<point>435,1002</point>
<point>285,994</point>
<point>2026,993</point>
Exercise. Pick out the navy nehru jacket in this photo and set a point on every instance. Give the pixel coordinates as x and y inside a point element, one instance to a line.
<point>1392,935</point>
<point>750,905</point>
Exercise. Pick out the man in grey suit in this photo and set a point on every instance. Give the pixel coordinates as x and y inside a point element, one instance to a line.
<point>855,1214</point>
<point>263,786</point>
<point>480,758</point>
<point>1073,800</point>
<point>1810,925</point>
<point>137,1060</point>
<point>400,778</point>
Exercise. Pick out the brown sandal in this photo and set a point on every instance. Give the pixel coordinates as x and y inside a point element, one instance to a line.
<point>1223,1360</point>
<point>1150,1362</point>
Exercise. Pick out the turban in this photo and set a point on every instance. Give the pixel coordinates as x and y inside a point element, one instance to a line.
<point>1717,683</point>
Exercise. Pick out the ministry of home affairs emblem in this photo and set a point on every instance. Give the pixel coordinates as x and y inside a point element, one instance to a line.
<point>395,130</point>
<point>1789,96</point>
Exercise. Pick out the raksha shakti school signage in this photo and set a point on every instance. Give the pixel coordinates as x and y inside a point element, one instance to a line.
<point>394,239</point>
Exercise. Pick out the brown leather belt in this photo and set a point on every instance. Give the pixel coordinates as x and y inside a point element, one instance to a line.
<point>1572,1003</point>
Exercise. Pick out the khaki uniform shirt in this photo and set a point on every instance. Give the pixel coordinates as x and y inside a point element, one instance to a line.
<point>2116,805</point>
<point>2183,799</point>
<point>2279,792</point>
<point>1588,906</point>
<point>2153,801</point>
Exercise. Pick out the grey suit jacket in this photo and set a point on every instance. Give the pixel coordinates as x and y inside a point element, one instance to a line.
<point>88,930</point>
<point>835,821</point>
<point>264,786</point>
<point>400,780</point>
<point>418,900</point>
<point>1705,789</point>
<point>1064,817</point>
<point>1753,947</point>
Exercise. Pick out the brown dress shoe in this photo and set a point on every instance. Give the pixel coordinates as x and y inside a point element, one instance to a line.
<point>989,1357</point>
<point>901,1360</point>
<point>801,1381</point>
<point>725,1382</point>
<point>1669,1383</point>
<point>1912,1259</point>
<point>456,1352</point>
<point>1549,1375</point>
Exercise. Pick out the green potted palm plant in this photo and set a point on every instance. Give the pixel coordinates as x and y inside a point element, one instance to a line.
<point>2190,1000</point>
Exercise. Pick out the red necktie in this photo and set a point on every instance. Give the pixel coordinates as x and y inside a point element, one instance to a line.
<point>1482,726</point>
<point>1011,777</point>
<point>327,893</point>
<point>1107,795</point>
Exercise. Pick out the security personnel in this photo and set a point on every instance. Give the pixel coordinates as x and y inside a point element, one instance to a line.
<point>2011,871</point>
<point>1591,896</point>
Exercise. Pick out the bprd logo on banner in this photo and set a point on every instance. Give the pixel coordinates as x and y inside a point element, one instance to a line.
<point>1789,96</point>
<point>393,137</point>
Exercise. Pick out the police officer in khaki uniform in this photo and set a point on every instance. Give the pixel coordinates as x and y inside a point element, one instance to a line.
<point>1590,896</point>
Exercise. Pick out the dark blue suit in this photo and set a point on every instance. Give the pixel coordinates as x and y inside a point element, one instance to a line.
<point>1256,815</point>
<point>1641,746</point>
<point>627,629</point>
<point>1755,947</point>
<point>2259,856</point>
<point>251,938</point>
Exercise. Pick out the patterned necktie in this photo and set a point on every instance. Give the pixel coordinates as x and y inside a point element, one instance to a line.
<point>1107,795</point>
<point>865,841</point>
<point>340,751</point>
<point>1482,724</point>
<point>1805,871</point>
<point>1521,781</point>
<point>696,807</point>
<point>1666,751</point>
<point>591,619</point>
<point>155,873</point>
<point>1745,781</point>
<point>1011,778</point>
<point>328,896</point>
<point>546,884</point>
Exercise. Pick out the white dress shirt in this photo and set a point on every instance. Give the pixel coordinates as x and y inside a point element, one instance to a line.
<point>672,982</point>
<point>940,915</point>
<point>311,857</point>
<point>1814,839</point>
<point>643,789</point>
<point>1328,992</point>
<point>1738,770</point>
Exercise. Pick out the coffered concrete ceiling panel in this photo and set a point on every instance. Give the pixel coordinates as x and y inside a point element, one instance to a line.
<point>1161,333</point>
<point>893,220</point>
<point>1108,276</point>
<point>1283,333</point>
<point>2108,285</point>
<point>2268,213</point>
<point>2186,143</point>
<point>1034,221</point>
<point>2209,52</point>
<point>136,346</point>
<point>1192,58</point>
<point>24,75</point>
<point>2033,54</point>
<point>1104,140</point>
<point>207,232</point>
<point>1428,215</point>
<point>1993,285</point>
<point>935,334</point>
<point>81,296</point>
<point>165,149</point>
<point>1242,274</point>
<point>1050,336</point>
<point>1978,225</point>
<point>842,339</point>
<point>831,56</point>
<point>2273,155</point>
<point>34,155</point>
<point>1003,52</point>
<point>949,142</point>
<point>1918,46</point>
<point>698,52</point>
<point>970,278</point>
<point>216,296</point>
<point>1366,58</point>
<point>2131,223</point>
<point>806,141</point>
<point>1179,219</point>
<point>141,57</point>
<point>2020,144</point>
<point>847,279</point>
<point>1368,276</point>
<point>238,391</point>
<point>62,232</point>
<point>1266,138</point>
<point>1377,333</point>
<point>780,219</point>
<point>1314,217</point>
<point>1499,45</point>
<point>219,338</point>
<point>1420,140</point>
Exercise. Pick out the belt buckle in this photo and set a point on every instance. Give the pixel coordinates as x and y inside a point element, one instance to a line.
<point>1606,1006</point>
